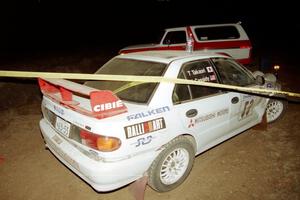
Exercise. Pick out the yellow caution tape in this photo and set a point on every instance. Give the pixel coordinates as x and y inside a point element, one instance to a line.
<point>140,80</point>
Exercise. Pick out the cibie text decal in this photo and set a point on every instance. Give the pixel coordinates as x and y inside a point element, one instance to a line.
<point>148,113</point>
<point>144,127</point>
<point>107,106</point>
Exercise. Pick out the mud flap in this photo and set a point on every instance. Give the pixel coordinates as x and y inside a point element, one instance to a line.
<point>138,187</point>
<point>263,125</point>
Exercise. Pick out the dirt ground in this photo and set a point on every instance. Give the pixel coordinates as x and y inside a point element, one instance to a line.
<point>253,165</point>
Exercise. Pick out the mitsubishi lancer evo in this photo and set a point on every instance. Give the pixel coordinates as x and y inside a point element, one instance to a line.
<point>111,133</point>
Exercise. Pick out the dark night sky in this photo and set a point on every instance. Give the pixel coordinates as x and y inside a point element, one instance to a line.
<point>44,25</point>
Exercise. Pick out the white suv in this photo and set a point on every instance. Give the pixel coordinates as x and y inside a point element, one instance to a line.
<point>226,39</point>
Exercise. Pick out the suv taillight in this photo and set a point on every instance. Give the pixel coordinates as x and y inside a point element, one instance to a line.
<point>99,142</point>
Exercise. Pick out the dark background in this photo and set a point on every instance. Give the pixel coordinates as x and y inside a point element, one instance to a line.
<point>43,26</point>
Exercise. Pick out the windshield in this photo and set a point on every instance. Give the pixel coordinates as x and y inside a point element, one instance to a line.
<point>125,90</point>
<point>232,73</point>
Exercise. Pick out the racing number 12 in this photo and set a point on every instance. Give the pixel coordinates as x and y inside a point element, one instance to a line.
<point>247,108</point>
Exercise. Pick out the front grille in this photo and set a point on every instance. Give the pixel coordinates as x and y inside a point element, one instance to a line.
<point>51,118</point>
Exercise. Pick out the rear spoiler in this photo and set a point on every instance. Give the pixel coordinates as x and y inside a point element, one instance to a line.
<point>104,103</point>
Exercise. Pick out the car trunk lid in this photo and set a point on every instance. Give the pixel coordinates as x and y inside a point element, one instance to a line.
<point>88,101</point>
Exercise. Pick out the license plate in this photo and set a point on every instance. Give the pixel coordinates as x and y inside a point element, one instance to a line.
<point>62,126</point>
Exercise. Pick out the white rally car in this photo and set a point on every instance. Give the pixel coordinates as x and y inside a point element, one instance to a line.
<point>112,133</point>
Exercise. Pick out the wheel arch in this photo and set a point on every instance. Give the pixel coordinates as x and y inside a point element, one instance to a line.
<point>190,137</point>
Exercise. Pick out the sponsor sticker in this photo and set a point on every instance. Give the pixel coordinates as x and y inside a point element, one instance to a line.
<point>207,117</point>
<point>143,141</point>
<point>58,110</point>
<point>148,113</point>
<point>269,85</point>
<point>212,77</point>
<point>209,69</point>
<point>144,127</point>
<point>108,106</point>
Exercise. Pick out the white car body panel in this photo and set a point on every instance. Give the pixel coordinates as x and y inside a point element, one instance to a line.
<point>217,120</point>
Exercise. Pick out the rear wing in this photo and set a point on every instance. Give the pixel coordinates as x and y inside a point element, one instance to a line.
<point>103,103</point>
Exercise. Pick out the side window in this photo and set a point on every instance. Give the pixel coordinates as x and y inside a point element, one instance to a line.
<point>232,73</point>
<point>181,91</point>
<point>217,33</point>
<point>175,37</point>
<point>199,71</point>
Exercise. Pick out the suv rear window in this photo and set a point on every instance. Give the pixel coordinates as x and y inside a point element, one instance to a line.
<point>217,33</point>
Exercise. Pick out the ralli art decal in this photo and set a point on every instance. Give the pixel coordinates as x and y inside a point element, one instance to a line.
<point>144,127</point>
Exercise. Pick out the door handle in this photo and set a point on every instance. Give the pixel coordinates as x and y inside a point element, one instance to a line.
<point>191,113</point>
<point>235,100</point>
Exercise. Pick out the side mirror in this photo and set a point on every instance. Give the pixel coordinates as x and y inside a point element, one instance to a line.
<point>259,80</point>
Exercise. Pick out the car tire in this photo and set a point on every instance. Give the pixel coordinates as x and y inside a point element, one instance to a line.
<point>275,110</point>
<point>172,165</point>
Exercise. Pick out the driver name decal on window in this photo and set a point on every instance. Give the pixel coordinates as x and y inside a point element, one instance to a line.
<point>200,71</point>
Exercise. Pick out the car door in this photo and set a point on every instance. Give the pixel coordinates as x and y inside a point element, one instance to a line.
<point>246,109</point>
<point>203,111</point>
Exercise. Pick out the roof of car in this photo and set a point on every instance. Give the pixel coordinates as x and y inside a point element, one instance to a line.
<point>203,25</point>
<point>167,56</point>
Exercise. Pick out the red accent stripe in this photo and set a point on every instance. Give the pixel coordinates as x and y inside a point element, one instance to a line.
<point>223,45</point>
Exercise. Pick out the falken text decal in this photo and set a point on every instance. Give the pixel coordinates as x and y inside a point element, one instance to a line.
<point>148,113</point>
<point>144,127</point>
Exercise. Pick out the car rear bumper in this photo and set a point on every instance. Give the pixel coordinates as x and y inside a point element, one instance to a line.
<point>102,176</point>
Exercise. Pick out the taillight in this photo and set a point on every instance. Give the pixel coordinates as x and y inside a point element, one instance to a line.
<point>99,142</point>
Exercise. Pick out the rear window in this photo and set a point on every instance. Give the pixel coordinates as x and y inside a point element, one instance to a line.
<point>127,90</point>
<point>217,33</point>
